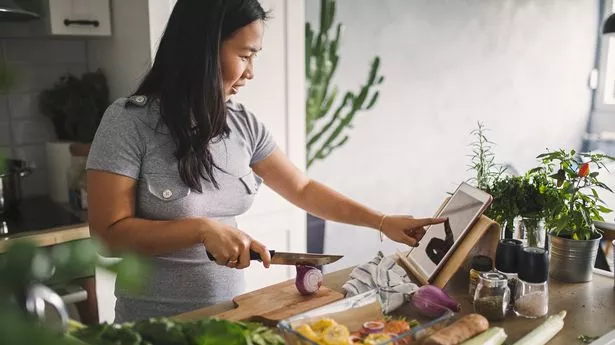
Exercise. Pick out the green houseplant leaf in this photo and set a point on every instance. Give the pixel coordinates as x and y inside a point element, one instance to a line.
<point>575,203</point>
<point>75,105</point>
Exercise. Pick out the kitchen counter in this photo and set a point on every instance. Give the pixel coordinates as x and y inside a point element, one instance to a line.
<point>590,306</point>
<point>44,222</point>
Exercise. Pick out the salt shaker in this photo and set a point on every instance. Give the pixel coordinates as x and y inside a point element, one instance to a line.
<point>532,295</point>
<point>492,296</point>
<point>507,261</point>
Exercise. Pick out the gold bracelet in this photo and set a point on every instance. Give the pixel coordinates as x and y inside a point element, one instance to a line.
<point>380,227</point>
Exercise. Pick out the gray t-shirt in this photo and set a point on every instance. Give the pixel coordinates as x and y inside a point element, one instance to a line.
<point>132,141</point>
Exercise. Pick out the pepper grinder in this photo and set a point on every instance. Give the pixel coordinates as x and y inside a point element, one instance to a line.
<point>507,262</point>
<point>532,295</point>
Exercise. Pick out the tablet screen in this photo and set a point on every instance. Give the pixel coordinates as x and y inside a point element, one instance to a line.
<point>461,210</point>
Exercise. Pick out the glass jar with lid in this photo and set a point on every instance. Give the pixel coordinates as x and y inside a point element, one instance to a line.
<point>492,296</point>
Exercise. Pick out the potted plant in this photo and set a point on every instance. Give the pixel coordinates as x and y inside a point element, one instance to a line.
<point>492,178</point>
<point>75,107</point>
<point>520,203</point>
<point>570,218</point>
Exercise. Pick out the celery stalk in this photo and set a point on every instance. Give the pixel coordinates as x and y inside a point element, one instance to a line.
<point>492,336</point>
<point>543,333</point>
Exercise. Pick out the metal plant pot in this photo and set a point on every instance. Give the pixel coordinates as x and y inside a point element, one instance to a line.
<point>572,261</point>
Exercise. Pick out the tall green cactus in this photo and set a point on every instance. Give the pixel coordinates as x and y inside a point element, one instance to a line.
<point>326,122</point>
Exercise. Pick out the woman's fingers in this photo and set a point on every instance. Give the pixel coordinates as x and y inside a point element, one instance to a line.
<point>222,259</point>
<point>231,248</point>
<point>244,256</point>
<point>262,251</point>
<point>417,233</point>
<point>409,240</point>
<point>421,222</point>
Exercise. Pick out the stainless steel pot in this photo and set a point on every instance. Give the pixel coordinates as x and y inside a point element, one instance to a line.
<point>11,173</point>
<point>572,261</point>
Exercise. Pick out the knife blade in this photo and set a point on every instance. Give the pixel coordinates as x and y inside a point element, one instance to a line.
<point>282,258</point>
<point>293,259</point>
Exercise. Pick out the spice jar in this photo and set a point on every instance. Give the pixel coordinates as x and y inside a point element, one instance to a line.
<point>532,296</point>
<point>492,296</point>
<point>480,263</point>
<point>507,262</point>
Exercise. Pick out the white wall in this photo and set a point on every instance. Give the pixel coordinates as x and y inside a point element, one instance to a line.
<point>521,67</point>
<point>126,56</point>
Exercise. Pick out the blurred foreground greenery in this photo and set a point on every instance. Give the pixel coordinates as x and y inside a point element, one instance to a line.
<point>24,264</point>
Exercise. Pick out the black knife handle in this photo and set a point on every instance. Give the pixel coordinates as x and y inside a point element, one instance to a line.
<point>253,255</point>
<point>256,256</point>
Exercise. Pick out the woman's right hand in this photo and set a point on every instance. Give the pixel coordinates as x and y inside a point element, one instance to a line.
<point>231,247</point>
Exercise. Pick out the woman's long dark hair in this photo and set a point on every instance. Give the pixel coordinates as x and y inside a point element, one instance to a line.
<point>186,79</point>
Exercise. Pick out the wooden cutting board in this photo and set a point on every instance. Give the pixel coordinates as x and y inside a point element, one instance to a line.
<point>278,302</point>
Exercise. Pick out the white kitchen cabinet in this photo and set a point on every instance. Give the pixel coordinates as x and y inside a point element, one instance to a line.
<point>80,17</point>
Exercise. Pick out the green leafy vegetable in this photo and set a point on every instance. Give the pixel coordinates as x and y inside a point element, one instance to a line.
<point>213,331</point>
<point>163,331</point>
<point>106,334</point>
<point>586,339</point>
<point>160,331</point>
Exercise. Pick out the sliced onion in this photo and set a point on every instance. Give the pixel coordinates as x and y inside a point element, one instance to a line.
<point>355,339</point>
<point>432,301</point>
<point>373,327</point>
<point>393,335</point>
<point>309,279</point>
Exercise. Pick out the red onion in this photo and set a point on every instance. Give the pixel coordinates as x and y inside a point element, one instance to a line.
<point>355,339</point>
<point>433,302</point>
<point>309,279</point>
<point>373,327</point>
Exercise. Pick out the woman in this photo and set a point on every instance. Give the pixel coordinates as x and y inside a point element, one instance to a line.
<point>172,165</point>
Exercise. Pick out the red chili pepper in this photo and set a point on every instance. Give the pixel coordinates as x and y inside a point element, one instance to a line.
<point>584,171</point>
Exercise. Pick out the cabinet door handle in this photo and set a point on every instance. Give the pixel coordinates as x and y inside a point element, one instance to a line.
<point>69,22</point>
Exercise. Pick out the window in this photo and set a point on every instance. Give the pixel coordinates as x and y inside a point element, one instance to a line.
<point>605,97</point>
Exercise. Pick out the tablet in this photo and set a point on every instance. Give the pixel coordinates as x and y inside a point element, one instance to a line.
<point>463,209</point>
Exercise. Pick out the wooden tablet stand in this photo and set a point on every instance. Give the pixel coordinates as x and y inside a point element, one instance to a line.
<point>482,239</point>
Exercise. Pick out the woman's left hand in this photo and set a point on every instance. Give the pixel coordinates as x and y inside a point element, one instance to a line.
<point>408,230</point>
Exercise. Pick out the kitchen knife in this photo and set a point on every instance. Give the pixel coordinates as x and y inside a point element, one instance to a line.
<point>282,258</point>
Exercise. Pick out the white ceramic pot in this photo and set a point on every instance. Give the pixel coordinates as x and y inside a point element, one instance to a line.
<point>58,162</point>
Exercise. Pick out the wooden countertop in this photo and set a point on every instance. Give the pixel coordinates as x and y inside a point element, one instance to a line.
<point>590,306</point>
<point>45,223</point>
<point>48,237</point>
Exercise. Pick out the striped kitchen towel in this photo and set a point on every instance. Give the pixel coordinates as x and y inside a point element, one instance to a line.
<point>382,273</point>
